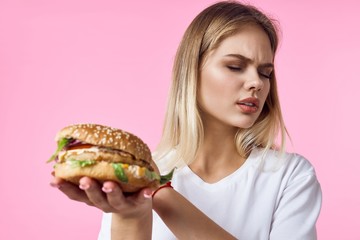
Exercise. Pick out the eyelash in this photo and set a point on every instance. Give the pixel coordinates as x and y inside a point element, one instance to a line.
<point>235,68</point>
<point>238,69</point>
<point>265,76</point>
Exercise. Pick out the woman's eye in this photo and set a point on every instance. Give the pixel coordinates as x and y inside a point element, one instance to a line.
<point>234,68</point>
<point>265,75</point>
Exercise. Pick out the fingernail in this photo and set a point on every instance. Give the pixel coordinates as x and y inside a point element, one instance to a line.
<point>84,186</point>
<point>107,190</point>
<point>54,185</point>
<point>147,194</point>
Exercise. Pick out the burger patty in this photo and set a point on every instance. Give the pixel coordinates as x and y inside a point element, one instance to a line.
<point>102,154</point>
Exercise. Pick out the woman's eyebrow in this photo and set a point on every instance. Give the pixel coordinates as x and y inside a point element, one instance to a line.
<point>248,60</point>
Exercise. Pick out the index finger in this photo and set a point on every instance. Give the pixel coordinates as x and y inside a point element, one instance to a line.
<point>71,190</point>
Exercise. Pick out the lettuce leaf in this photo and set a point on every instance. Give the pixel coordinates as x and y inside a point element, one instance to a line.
<point>61,144</point>
<point>151,175</point>
<point>167,178</point>
<point>119,172</point>
<point>81,163</point>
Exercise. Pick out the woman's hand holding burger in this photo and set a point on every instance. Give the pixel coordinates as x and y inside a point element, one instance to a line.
<point>107,196</point>
<point>110,169</point>
<point>131,213</point>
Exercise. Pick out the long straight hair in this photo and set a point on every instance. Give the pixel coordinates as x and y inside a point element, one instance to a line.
<point>183,128</point>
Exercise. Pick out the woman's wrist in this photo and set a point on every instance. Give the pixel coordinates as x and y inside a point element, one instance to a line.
<point>161,198</point>
<point>166,185</point>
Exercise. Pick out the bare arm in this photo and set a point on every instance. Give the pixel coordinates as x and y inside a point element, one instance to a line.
<point>133,218</point>
<point>184,219</point>
<point>133,228</point>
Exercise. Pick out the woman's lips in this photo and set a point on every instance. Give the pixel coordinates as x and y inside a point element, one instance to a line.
<point>248,105</point>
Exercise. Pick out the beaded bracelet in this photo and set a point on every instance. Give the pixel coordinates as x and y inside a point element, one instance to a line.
<point>168,184</point>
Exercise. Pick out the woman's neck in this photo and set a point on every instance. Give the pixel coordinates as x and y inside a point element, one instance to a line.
<point>217,157</point>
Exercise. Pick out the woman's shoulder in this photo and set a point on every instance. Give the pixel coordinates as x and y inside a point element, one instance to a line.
<point>288,163</point>
<point>166,161</point>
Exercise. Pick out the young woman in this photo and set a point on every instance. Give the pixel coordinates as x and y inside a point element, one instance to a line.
<point>221,126</point>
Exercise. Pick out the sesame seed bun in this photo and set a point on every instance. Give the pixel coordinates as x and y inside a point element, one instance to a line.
<point>105,154</point>
<point>105,136</point>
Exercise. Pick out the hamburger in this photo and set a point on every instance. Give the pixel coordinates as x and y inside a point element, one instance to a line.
<point>105,154</point>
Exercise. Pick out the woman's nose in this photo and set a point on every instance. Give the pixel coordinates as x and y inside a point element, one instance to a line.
<point>253,81</point>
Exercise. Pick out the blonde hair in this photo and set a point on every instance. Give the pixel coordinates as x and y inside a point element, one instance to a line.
<point>183,128</point>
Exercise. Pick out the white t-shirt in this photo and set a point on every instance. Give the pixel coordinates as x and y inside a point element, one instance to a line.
<point>268,197</point>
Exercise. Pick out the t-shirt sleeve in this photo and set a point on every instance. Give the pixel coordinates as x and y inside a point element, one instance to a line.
<point>298,209</point>
<point>105,230</point>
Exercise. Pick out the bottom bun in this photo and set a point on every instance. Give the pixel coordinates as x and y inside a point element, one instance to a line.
<point>103,171</point>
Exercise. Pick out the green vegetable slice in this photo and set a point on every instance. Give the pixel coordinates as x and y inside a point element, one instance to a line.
<point>119,172</point>
<point>155,176</point>
<point>81,163</point>
<point>167,178</point>
<point>61,144</point>
<point>151,175</point>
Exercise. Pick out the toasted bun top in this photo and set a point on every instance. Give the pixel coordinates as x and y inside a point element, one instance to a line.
<point>104,136</point>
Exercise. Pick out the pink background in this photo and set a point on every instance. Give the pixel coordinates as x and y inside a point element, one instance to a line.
<point>64,62</point>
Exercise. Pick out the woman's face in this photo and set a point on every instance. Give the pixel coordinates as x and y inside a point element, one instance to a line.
<point>234,79</point>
